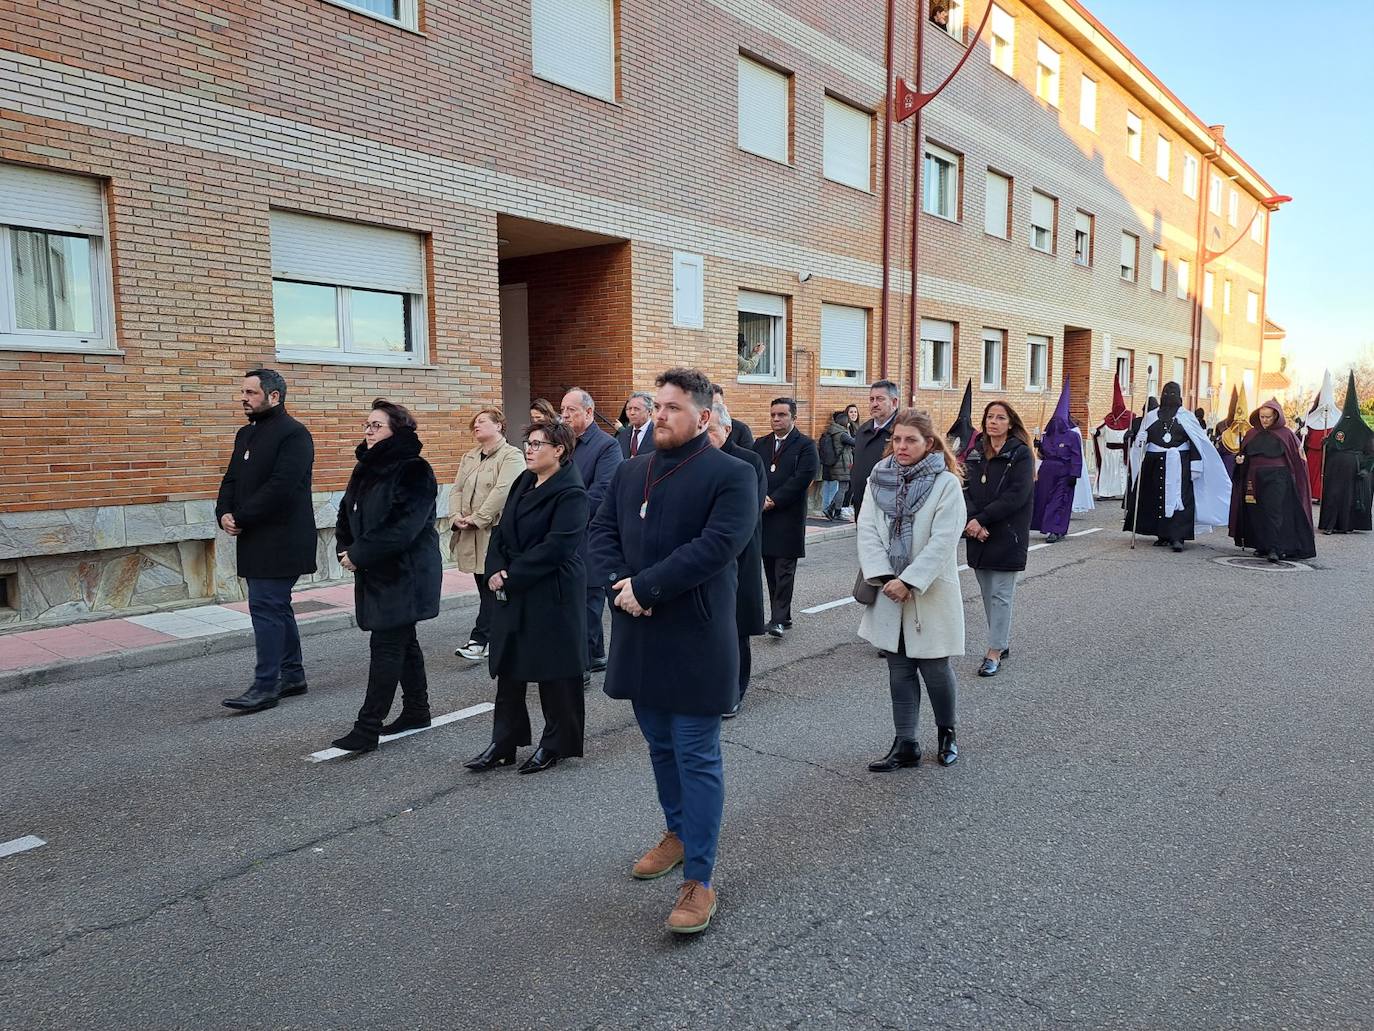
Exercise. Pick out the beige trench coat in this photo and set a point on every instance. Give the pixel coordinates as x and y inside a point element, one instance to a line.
<point>479,494</point>
<point>931,621</point>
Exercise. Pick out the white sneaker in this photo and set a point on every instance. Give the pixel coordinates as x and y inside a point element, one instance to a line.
<point>472,651</point>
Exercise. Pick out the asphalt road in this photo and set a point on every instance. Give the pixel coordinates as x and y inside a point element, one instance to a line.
<point>1163,818</point>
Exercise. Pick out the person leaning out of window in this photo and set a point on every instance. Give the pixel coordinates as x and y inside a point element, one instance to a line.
<point>999,493</point>
<point>539,621</point>
<point>386,538</point>
<point>908,540</point>
<point>479,494</point>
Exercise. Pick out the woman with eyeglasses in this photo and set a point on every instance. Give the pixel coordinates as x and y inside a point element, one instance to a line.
<point>539,622</point>
<point>386,538</point>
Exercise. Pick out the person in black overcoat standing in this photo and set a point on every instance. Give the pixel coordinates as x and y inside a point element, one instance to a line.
<point>666,541</point>
<point>870,440</point>
<point>793,462</point>
<point>265,505</point>
<point>749,597</point>
<point>387,539</point>
<point>539,622</point>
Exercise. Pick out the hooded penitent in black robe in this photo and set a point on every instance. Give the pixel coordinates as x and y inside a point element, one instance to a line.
<point>960,435</point>
<point>1164,434</point>
<point>1270,509</point>
<point>1127,442</point>
<point>1348,476</point>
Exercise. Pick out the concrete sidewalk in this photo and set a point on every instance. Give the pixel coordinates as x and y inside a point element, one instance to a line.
<point>51,655</point>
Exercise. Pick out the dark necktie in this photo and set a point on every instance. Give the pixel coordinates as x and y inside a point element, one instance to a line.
<point>634,442</point>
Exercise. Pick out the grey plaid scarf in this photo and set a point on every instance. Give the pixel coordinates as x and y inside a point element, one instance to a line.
<point>900,491</point>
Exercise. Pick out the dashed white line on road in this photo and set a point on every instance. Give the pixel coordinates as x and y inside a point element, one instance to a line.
<point>828,605</point>
<point>1084,533</point>
<point>449,717</point>
<point>28,841</point>
<point>1037,547</point>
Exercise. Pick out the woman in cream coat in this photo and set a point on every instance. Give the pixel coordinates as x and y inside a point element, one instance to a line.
<point>908,537</point>
<point>479,494</point>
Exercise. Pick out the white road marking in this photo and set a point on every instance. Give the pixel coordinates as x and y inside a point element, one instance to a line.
<point>961,569</point>
<point>450,717</point>
<point>1084,533</point>
<point>828,605</point>
<point>1037,547</point>
<point>23,844</point>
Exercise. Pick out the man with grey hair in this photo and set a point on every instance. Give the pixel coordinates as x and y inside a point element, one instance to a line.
<point>638,436</point>
<point>871,440</point>
<point>749,595</point>
<point>596,457</point>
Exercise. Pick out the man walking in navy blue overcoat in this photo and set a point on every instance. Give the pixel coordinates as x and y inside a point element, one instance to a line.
<point>665,541</point>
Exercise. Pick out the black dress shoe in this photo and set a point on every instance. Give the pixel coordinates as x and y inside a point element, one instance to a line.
<point>1161,543</point>
<point>407,721</point>
<point>1274,558</point>
<point>949,751</point>
<point>786,624</point>
<point>490,759</point>
<point>356,741</point>
<point>1053,538</point>
<point>902,754</point>
<point>597,665</point>
<point>1006,653</point>
<point>730,714</point>
<point>285,690</point>
<point>255,699</point>
<point>774,630</point>
<point>541,760</point>
<point>989,667</point>
<point>1177,546</point>
<point>586,680</point>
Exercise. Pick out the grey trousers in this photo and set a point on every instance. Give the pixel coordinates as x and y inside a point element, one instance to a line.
<point>906,692</point>
<point>997,586</point>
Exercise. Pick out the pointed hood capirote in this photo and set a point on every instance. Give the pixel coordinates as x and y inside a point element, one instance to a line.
<point>1060,427</point>
<point>1323,415</point>
<point>1351,432</point>
<point>960,434</point>
<point>1119,418</point>
<point>1235,430</point>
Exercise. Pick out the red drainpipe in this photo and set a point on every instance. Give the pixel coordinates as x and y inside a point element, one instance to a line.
<point>887,187</point>
<point>919,142</point>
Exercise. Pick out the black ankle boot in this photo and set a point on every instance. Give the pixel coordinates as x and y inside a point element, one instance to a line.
<point>407,721</point>
<point>949,751</point>
<point>490,759</point>
<point>356,741</point>
<point>901,754</point>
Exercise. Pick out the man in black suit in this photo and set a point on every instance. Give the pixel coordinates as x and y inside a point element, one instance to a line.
<point>637,436</point>
<point>871,440</point>
<point>793,462</point>
<point>740,433</point>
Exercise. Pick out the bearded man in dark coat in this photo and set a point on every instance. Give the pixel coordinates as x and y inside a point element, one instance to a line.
<point>666,541</point>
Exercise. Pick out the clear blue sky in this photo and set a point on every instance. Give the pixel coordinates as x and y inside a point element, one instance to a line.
<point>1294,85</point>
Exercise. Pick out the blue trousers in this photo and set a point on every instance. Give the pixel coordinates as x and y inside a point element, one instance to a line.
<point>685,751</point>
<point>275,636</point>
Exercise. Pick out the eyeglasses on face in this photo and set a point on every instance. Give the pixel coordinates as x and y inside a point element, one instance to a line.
<point>535,445</point>
<point>368,427</point>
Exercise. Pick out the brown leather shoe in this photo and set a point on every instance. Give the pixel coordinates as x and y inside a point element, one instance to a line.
<point>660,859</point>
<point>696,904</point>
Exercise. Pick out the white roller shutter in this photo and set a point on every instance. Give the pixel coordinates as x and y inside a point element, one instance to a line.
<point>844,338</point>
<point>1042,210</point>
<point>325,250</point>
<point>574,44</point>
<point>934,329</point>
<point>762,304</point>
<point>848,144</point>
<point>763,115</point>
<point>36,198</point>
<point>995,219</point>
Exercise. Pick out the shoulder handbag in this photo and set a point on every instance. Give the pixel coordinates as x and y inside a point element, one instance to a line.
<point>865,593</point>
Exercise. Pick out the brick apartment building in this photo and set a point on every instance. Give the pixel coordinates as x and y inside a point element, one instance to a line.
<point>454,202</point>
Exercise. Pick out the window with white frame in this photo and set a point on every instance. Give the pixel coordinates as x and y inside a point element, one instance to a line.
<point>346,292</point>
<point>1251,307</point>
<point>1002,50</point>
<point>762,340</point>
<point>1183,273</point>
<point>1158,266</point>
<point>1130,256</point>
<point>1087,103</point>
<point>1043,221</point>
<point>1257,227</point>
<point>1214,194</point>
<point>844,345</point>
<point>55,286</point>
<point>1153,363</point>
<point>1204,380</point>
<point>1047,73</point>
<point>689,290</point>
<point>1037,361</point>
<point>1233,208</point>
<point>1209,282</point>
<point>997,209</point>
<point>1164,158</point>
<point>1083,238</point>
<point>1133,135</point>
<point>1226,297</point>
<point>1190,175</point>
<point>949,16</point>
<point>573,44</point>
<point>764,102</point>
<point>937,354</point>
<point>401,12</point>
<point>1180,369</point>
<point>848,145</point>
<point>994,347</point>
<point>1125,370</point>
<point>940,194</point>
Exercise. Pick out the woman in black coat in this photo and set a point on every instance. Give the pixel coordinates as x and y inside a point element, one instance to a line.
<point>386,538</point>
<point>999,493</point>
<point>539,622</point>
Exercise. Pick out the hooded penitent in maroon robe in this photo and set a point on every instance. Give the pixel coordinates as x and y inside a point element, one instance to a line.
<point>1270,509</point>
<point>1061,453</point>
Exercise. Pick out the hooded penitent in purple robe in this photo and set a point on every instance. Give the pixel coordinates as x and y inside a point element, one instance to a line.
<point>1270,508</point>
<point>1061,453</point>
